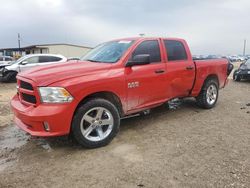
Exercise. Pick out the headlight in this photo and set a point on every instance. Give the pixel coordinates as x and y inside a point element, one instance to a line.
<point>54,95</point>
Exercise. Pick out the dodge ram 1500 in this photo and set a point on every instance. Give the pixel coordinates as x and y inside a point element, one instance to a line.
<point>118,78</point>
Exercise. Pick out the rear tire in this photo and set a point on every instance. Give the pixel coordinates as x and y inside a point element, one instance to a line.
<point>209,94</point>
<point>95,123</point>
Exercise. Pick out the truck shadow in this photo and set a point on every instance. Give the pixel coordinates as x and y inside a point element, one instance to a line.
<point>15,138</point>
<point>156,114</point>
<point>127,124</point>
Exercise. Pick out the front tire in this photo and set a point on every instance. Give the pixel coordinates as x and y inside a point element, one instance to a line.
<point>96,123</point>
<point>10,77</point>
<point>209,94</point>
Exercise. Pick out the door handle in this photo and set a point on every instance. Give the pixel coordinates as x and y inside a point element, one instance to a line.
<point>189,67</point>
<point>160,71</point>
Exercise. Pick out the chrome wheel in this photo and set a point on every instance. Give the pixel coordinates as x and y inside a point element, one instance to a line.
<point>212,94</point>
<point>96,124</point>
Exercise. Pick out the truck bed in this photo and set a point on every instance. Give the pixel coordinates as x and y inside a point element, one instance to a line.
<point>213,67</point>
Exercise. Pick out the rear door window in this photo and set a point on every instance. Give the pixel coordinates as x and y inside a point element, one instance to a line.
<point>53,59</point>
<point>175,50</point>
<point>44,59</point>
<point>150,47</point>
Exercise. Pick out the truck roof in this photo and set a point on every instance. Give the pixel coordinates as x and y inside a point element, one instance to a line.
<point>143,38</point>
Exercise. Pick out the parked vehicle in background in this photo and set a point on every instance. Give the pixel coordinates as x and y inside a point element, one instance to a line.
<point>238,58</point>
<point>214,57</point>
<point>116,79</point>
<point>203,57</point>
<point>233,58</point>
<point>9,72</point>
<point>243,72</point>
<point>4,60</point>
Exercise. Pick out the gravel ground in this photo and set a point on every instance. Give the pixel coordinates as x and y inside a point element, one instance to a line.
<point>179,147</point>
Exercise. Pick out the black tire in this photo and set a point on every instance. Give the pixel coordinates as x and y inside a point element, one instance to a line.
<point>236,77</point>
<point>202,97</point>
<point>9,77</point>
<point>86,107</point>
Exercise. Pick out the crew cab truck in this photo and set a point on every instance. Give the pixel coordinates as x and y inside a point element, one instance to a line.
<point>88,98</point>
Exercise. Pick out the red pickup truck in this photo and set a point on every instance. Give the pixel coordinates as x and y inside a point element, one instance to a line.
<point>118,78</point>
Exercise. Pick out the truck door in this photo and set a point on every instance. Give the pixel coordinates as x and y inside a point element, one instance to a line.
<point>180,69</point>
<point>146,83</point>
<point>28,63</point>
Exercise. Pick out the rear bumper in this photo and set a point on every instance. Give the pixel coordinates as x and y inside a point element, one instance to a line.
<point>31,119</point>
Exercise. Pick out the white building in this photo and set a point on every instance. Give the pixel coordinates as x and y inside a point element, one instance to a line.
<point>67,50</point>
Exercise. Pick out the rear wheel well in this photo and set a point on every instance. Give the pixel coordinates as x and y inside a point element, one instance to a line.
<point>212,77</point>
<point>111,97</point>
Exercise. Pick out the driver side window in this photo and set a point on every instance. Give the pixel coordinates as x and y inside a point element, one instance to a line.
<point>150,47</point>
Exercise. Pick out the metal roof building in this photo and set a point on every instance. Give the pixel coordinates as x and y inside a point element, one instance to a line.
<point>67,50</point>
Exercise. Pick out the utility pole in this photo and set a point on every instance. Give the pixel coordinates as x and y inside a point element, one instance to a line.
<point>244,48</point>
<point>19,45</point>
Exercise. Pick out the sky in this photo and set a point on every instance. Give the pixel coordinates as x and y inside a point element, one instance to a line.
<point>209,26</point>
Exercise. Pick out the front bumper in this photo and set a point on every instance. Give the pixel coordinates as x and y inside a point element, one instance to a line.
<point>31,118</point>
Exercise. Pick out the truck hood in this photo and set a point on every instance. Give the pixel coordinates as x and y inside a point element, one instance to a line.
<point>49,74</point>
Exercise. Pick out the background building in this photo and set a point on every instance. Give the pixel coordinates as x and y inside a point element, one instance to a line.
<point>67,50</point>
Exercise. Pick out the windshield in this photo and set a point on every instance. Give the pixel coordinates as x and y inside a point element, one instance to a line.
<point>109,52</point>
<point>18,61</point>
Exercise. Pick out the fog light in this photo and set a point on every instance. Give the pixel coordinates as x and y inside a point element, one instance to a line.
<point>46,126</point>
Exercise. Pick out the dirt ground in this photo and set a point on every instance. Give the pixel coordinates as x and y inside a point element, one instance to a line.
<point>180,147</point>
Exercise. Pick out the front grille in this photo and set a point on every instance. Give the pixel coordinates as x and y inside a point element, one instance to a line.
<point>29,98</point>
<point>26,85</point>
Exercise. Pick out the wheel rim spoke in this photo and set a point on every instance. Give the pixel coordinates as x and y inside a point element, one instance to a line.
<point>88,118</point>
<point>99,113</point>
<point>100,132</point>
<point>88,130</point>
<point>106,122</point>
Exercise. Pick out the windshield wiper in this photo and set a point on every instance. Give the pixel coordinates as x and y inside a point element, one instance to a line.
<point>91,60</point>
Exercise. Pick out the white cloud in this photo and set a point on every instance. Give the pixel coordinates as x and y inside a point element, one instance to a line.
<point>210,27</point>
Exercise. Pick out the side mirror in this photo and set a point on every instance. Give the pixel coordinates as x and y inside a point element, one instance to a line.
<point>142,59</point>
<point>24,63</point>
